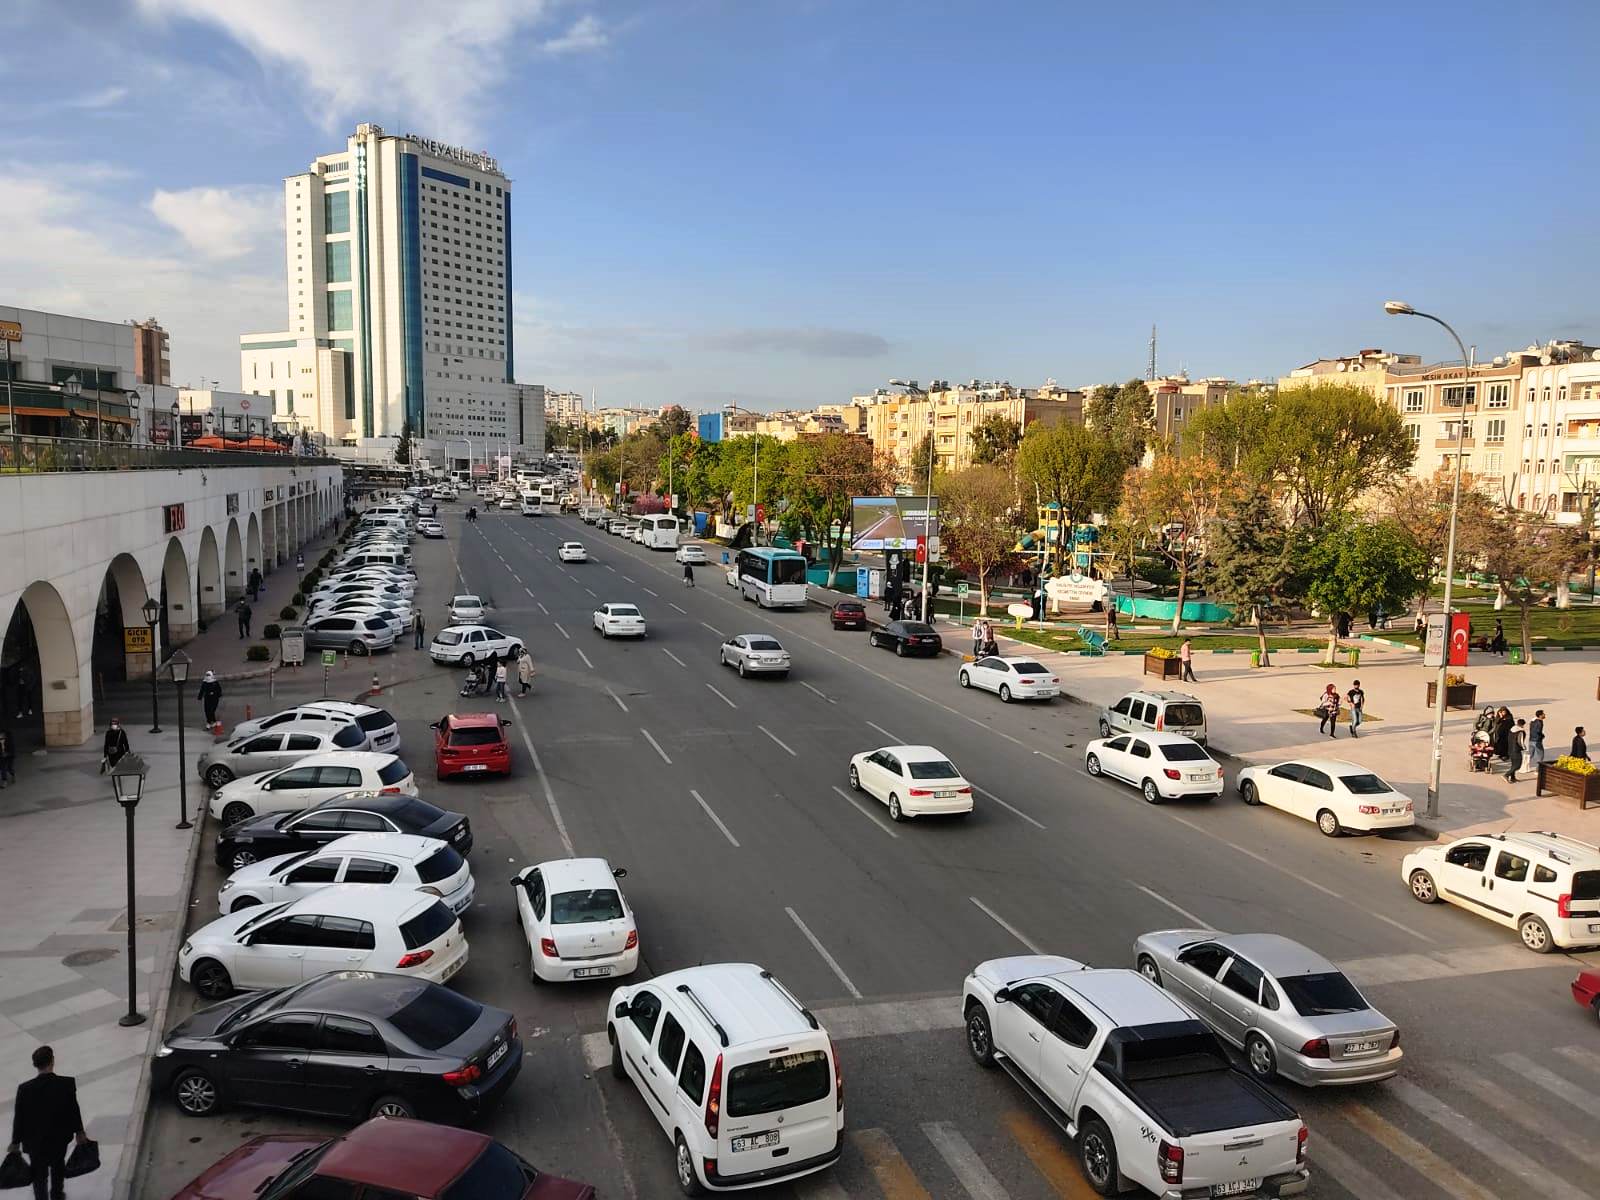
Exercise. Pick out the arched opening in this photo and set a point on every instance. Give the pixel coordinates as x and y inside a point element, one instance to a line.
<point>44,700</point>
<point>120,607</point>
<point>208,567</point>
<point>178,614</point>
<point>252,548</point>
<point>233,562</point>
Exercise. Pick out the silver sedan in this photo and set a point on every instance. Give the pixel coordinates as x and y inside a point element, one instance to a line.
<point>755,653</point>
<point>1290,1010</point>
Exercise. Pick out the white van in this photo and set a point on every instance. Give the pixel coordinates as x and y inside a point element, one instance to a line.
<point>739,1074</point>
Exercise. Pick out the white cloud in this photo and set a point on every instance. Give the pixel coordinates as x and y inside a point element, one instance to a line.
<point>434,65</point>
<point>586,34</point>
<point>221,222</point>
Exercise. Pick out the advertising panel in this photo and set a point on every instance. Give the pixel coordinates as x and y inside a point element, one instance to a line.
<point>893,522</point>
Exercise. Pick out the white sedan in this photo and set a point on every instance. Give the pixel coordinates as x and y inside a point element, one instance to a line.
<point>466,608</point>
<point>692,554</point>
<point>1010,678</point>
<point>1339,796</point>
<point>572,552</point>
<point>430,528</point>
<point>404,860</point>
<point>577,924</point>
<point>309,782</point>
<point>1162,766</point>
<point>619,620</point>
<point>913,781</point>
<point>463,645</point>
<point>756,654</point>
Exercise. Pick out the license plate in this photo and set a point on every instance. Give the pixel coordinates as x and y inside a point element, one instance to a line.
<point>452,969</point>
<point>945,795</point>
<point>1199,778</point>
<point>1593,928</point>
<point>589,972</point>
<point>1360,1047</point>
<point>476,767</point>
<point>496,1057</point>
<point>756,1141</point>
<point>1239,1187</point>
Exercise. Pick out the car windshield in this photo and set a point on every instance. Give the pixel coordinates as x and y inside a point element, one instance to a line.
<point>262,918</point>
<point>349,737</point>
<point>436,1016</point>
<point>788,570</point>
<point>934,770</point>
<point>624,610</point>
<point>468,602</point>
<point>1183,752</point>
<point>258,1005</point>
<point>393,771</point>
<point>378,718</point>
<point>786,1081</point>
<point>1024,667</point>
<point>1364,785</point>
<point>1322,995</point>
<point>1185,714</point>
<point>417,814</point>
<point>299,1167</point>
<point>476,735</point>
<point>441,864</point>
<point>578,908</point>
<point>428,925</point>
<point>1586,885</point>
<point>764,644</point>
<point>447,637</point>
<point>497,1174</point>
<point>917,628</point>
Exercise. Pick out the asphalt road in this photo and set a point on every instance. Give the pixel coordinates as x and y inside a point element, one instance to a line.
<point>725,800</point>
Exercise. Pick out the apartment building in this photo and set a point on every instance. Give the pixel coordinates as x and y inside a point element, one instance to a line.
<point>1479,417</point>
<point>1175,398</point>
<point>1366,369</point>
<point>563,408</point>
<point>152,352</point>
<point>897,423</point>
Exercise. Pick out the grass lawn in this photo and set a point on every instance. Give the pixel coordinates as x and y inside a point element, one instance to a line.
<point>1551,627</point>
<point>1062,639</point>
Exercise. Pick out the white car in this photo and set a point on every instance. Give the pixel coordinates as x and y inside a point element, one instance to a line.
<point>346,927</point>
<point>755,654</point>
<point>398,619</point>
<point>382,730</point>
<point>311,781</point>
<point>465,609</point>
<point>1010,678</point>
<point>636,533</point>
<point>913,781</point>
<point>616,525</point>
<point>365,588</point>
<point>419,864</point>
<point>1163,766</point>
<point>404,580</point>
<point>463,645</point>
<point>1337,795</point>
<point>283,746</point>
<point>619,620</point>
<point>508,502</point>
<point>691,554</point>
<point>428,527</point>
<point>577,924</point>
<point>572,552</point>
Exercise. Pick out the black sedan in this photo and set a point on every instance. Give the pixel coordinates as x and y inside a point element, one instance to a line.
<point>351,1044</point>
<point>274,833</point>
<point>908,637</point>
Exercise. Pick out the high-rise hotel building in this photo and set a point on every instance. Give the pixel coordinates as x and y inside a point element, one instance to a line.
<point>398,252</point>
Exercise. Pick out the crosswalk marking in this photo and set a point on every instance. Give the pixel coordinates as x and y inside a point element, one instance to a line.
<point>891,1171</point>
<point>1347,1172</point>
<point>1045,1147</point>
<point>1582,1055</point>
<point>1413,1153</point>
<point>1514,1109</point>
<point>1445,964</point>
<point>819,1187</point>
<point>1551,1082</point>
<point>964,1162</point>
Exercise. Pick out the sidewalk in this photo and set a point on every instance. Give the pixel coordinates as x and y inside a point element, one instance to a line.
<point>63,888</point>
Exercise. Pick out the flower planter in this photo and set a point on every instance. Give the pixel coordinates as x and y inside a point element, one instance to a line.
<point>1456,695</point>
<point>1585,789</point>
<point>1163,668</point>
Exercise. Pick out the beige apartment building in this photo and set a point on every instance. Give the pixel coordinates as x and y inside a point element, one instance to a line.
<point>1175,398</point>
<point>897,423</point>
<point>1366,369</point>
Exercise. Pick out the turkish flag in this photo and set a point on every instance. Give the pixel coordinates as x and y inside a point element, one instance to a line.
<point>1460,638</point>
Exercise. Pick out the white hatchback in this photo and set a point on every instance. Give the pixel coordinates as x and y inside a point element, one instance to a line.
<point>466,609</point>
<point>382,730</point>
<point>464,645</point>
<point>1163,766</point>
<point>311,781</point>
<point>1339,796</point>
<point>1010,678</point>
<point>913,781</point>
<point>619,620</point>
<point>401,860</point>
<point>572,552</point>
<point>577,924</point>
<point>346,927</point>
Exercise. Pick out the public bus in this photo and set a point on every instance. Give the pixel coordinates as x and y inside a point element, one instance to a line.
<point>659,531</point>
<point>772,578</point>
<point>532,506</point>
<point>547,493</point>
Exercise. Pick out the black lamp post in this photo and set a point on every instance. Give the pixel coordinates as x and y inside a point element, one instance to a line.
<point>127,783</point>
<point>178,666</point>
<point>152,617</point>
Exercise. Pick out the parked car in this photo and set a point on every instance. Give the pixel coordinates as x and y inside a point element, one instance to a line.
<point>1290,1010</point>
<point>382,730</point>
<point>1162,766</point>
<point>470,744</point>
<point>694,555</point>
<point>576,921</point>
<point>755,654</point>
<point>465,609</point>
<point>619,620</point>
<point>616,525</point>
<point>401,860</point>
<point>278,833</point>
<point>908,637</point>
<point>848,614</point>
<point>358,635</point>
<point>1339,796</point>
<point>343,927</point>
<point>1010,678</point>
<point>1586,990</point>
<point>463,645</point>
<point>398,621</point>
<point>572,552</point>
<point>1155,712</point>
<point>912,781</point>
<point>310,781</point>
<point>223,762</point>
<point>394,592</point>
<point>430,528</point>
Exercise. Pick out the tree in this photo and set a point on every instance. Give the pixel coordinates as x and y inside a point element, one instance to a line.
<point>995,440</point>
<point>977,529</point>
<point>819,475</point>
<point>402,448</point>
<point>1074,468</point>
<point>674,421</point>
<point>1176,500</point>
<point>1124,416</point>
<point>1348,565</point>
<point>1421,507</point>
<point>1250,560</point>
<point>1524,554</point>
<point>914,471</point>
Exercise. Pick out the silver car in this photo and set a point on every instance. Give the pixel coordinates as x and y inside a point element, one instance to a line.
<point>282,746</point>
<point>358,635</point>
<point>755,653</point>
<point>1290,1010</point>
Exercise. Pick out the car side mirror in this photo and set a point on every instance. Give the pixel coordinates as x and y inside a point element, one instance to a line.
<point>1001,996</point>
<point>433,724</point>
<point>505,722</point>
<point>622,1010</point>
<point>620,873</point>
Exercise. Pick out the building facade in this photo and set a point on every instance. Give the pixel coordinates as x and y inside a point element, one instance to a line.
<point>152,353</point>
<point>1366,369</point>
<point>896,424</point>
<point>1176,398</point>
<point>69,377</point>
<point>528,403</point>
<point>563,408</point>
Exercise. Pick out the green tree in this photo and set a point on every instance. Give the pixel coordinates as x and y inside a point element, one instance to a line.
<point>1250,561</point>
<point>1524,554</point>
<point>1073,467</point>
<point>1176,501</point>
<point>402,448</point>
<point>914,471</point>
<point>977,525</point>
<point>1099,409</point>
<point>995,440</point>
<point>818,475</point>
<point>1349,565</point>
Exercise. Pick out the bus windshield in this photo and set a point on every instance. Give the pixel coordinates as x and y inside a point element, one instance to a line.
<point>789,570</point>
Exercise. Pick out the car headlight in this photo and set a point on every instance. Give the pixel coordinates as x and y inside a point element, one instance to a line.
<point>188,949</point>
<point>163,1051</point>
<point>227,885</point>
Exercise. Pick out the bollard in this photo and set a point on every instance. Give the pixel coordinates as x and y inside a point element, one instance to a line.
<point>377,689</point>
<point>249,711</point>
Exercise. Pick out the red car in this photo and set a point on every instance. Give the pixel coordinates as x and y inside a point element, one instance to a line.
<point>849,614</point>
<point>389,1157</point>
<point>1586,990</point>
<point>471,744</point>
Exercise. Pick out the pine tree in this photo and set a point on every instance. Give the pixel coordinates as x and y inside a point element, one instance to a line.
<point>1251,563</point>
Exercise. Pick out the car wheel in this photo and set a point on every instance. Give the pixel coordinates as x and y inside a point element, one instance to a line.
<point>1091,764</point>
<point>1148,968</point>
<point>241,858</point>
<point>1535,935</point>
<point>1105,727</point>
<point>688,1181</point>
<point>468,659</point>
<point>855,779</point>
<point>1098,1154</point>
<point>211,979</point>
<point>741,669</point>
<point>1151,796</point>
<point>964,680</point>
<point>1422,887</point>
<point>358,648</point>
<point>235,811</point>
<point>900,648</point>
<point>217,775</point>
<point>1005,693</point>
<point>894,808</point>
<point>196,1093</point>
<point>836,626</point>
<point>619,1069</point>
<point>393,1107</point>
<point>1247,792</point>
<point>1328,823</point>
<point>872,640</point>
<point>1259,1054</point>
<point>980,1041</point>
<point>242,903</point>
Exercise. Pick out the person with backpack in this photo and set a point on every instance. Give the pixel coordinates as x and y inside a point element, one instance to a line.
<point>1328,711</point>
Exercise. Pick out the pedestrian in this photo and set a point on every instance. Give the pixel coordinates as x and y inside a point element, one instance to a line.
<point>299,564</point>
<point>1112,632</point>
<point>1514,748</point>
<point>210,696</point>
<point>1580,748</point>
<point>1536,739</point>
<point>1420,625</point>
<point>244,613</point>
<point>418,629</point>
<point>525,670</point>
<point>44,1121</point>
<point>8,774</point>
<point>1497,644</point>
<point>255,584</point>
<point>688,574</point>
<point>1186,656</point>
<point>500,681</point>
<point>24,678</point>
<point>1328,711</point>
<point>1501,733</point>
<point>1358,701</point>
<point>116,745</point>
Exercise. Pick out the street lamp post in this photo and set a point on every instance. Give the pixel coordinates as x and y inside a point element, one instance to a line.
<point>178,668</point>
<point>152,617</point>
<point>127,784</point>
<point>1398,308</point>
<point>72,389</point>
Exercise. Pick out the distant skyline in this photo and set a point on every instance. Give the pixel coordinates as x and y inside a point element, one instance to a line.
<point>786,205</point>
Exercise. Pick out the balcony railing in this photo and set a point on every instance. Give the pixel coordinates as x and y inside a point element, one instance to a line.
<point>24,454</point>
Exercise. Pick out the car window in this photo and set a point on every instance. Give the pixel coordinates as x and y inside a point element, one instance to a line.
<point>581,907</point>
<point>1183,752</point>
<point>429,925</point>
<point>443,863</point>
<point>764,644</point>
<point>891,763</point>
<point>1205,957</point>
<point>1117,743</point>
<point>316,823</point>
<point>346,1035</point>
<point>1293,772</point>
<point>1243,979</point>
<point>370,870</point>
<point>291,931</point>
<point>1071,1025</point>
<point>261,745</point>
<point>934,770</point>
<point>305,741</point>
<point>1586,885</point>
<point>644,1010</point>
<point>348,737</point>
<point>1318,779</point>
<point>1139,749</point>
<point>495,1173</point>
<point>391,772</point>
<point>1364,785</point>
<point>1185,714</point>
<point>1121,706</point>
<point>1511,868</point>
<point>436,1016</point>
<point>1028,668</point>
<point>669,1048</point>
<point>1543,874</point>
<point>338,777</point>
<point>347,933</point>
<point>692,1075</point>
<point>477,735</point>
<point>1324,994</point>
<point>324,1187</point>
<point>1472,855</point>
<point>364,822</point>
<point>1035,999</point>
<point>282,718</point>
<point>295,777</point>
<point>318,870</point>
<point>291,1031</point>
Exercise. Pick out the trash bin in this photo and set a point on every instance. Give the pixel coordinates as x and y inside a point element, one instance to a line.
<point>1355,655</point>
<point>1255,658</point>
<point>1514,654</point>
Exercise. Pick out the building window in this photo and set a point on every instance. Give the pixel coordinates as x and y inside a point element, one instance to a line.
<point>1458,396</point>
<point>336,212</point>
<point>1499,395</point>
<point>1414,432</point>
<point>1491,463</point>
<point>1562,394</point>
<point>1453,429</point>
<point>338,254</point>
<point>1414,401</point>
<point>340,311</point>
<point>1495,430</point>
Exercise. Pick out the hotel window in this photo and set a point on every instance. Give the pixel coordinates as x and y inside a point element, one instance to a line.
<point>1413,401</point>
<point>1495,430</point>
<point>338,261</point>
<point>1499,395</point>
<point>1491,463</point>
<point>336,212</point>
<point>340,311</point>
<point>1562,394</point>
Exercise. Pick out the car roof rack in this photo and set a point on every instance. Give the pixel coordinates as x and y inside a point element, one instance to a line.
<point>722,1034</point>
<point>811,1017</point>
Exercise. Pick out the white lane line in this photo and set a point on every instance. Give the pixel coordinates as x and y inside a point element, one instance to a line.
<point>542,608</point>
<point>673,657</point>
<point>987,794</point>
<point>1581,1098</point>
<point>592,592</point>
<point>529,590</point>
<point>544,782</point>
<point>715,820</point>
<point>1005,924</point>
<point>1345,1169</point>
<point>1510,1108</point>
<point>654,743</point>
<point>721,697</point>
<point>832,962</point>
<point>814,691</point>
<point>584,656</point>
<point>629,578</point>
<point>1181,911</point>
<point>517,577</point>
<point>1051,757</point>
<point>608,566</point>
<point>617,698</point>
<point>657,595</point>
<point>768,732</point>
<point>713,628</point>
<point>885,732</point>
<point>963,1161</point>
<point>869,815</point>
<point>561,631</point>
<point>684,611</point>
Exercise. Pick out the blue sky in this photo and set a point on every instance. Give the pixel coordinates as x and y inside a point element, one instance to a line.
<point>784,204</point>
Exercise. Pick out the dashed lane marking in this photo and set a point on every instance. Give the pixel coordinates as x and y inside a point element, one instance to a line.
<point>544,782</point>
<point>885,732</point>
<point>1179,909</point>
<point>964,1162</point>
<point>584,656</point>
<point>782,744</point>
<point>814,691</point>
<point>721,697</point>
<point>715,820</point>
<point>1006,925</point>
<point>673,657</point>
<point>833,963</point>
<point>987,794</point>
<point>616,697</point>
<point>860,808</point>
<point>561,631</point>
<point>657,746</point>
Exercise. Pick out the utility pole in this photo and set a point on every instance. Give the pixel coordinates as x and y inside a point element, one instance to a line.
<point>1150,371</point>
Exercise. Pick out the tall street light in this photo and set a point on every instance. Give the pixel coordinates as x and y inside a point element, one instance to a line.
<point>1398,308</point>
<point>152,617</point>
<point>178,668</point>
<point>127,784</point>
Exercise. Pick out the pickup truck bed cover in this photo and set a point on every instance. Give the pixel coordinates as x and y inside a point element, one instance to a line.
<point>1178,1072</point>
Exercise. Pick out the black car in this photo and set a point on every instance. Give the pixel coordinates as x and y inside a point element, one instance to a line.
<point>351,1044</point>
<point>849,614</point>
<point>908,637</point>
<point>268,834</point>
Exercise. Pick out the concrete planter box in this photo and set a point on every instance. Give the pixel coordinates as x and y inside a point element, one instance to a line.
<point>1585,789</point>
<point>1456,695</point>
<point>1163,668</point>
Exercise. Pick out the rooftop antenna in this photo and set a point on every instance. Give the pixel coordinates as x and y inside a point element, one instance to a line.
<point>1150,371</point>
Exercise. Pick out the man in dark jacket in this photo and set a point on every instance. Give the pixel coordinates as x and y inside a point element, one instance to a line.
<point>116,742</point>
<point>1580,748</point>
<point>44,1123</point>
<point>210,697</point>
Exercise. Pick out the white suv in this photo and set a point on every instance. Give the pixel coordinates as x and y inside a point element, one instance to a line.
<point>739,1074</point>
<point>1546,886</point>
<point>1155,712</point>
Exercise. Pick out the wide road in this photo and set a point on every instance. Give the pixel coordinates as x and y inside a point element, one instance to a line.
<point>727,801</point>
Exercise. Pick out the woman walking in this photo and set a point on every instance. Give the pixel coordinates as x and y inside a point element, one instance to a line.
<point>1328,711</point>
<point>525,671</point>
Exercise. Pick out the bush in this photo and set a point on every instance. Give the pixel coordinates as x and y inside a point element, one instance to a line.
<point>272,631</point>
<point>258,653</point>
<point>288,613</point>
<point>299,598</point>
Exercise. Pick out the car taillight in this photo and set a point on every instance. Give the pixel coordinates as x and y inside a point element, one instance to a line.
<point>1564,904</point>
<point>413,959</point>
<point>1300,1144</point>
<point>1367,810</point>
<point>714,1099</point>
<point>964,791</point>
<point>1315,1048</point>
<point>838,1078</point>
<point>389,791</point>
<point>547,947</point>
<point>1055,679</point>
<point>1394,1041</point>
<point>1170,1158</point>
<point>511,1030</point>
<point>1171,774</point>
<point>633,939</point>
<point>467,1074</point>
<point>430,889</point>
<point>1027,681</point>
<point>920,792</point>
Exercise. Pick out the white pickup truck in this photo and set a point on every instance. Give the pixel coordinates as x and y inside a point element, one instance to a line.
<point>1136,1078</point>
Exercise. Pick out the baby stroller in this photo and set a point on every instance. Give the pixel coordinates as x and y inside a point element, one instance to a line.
<point>476,683</point>
<point>1480,752</point>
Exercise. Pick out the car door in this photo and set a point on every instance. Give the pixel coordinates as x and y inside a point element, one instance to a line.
<point>268,1063</point>
<point>665,1057</point>
<point>1119,716</point>
<point>260,753</point>
<point>1236,1000</point>
<point>1462,876</point>
<point>306,877</point>
<point>297,745</point>
<point>1138,761</point>
<point>1114,757</point>
<point>1313,794</point>
<point>636,1033</point>
<point>349,1068</point>
<point>891,775</point>
<point>988,673</point>
<point>1193,974</point>
<point>1064,1053</point>
<point>330,781</point>
<point>1280,787</point>
<point>1021,1024</point>
<point>532,905</point>
<point>734,647</point>
<point>289,790</point>
<point>338,944</point>
<point>1507,888</point>
<point>274,955</point>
